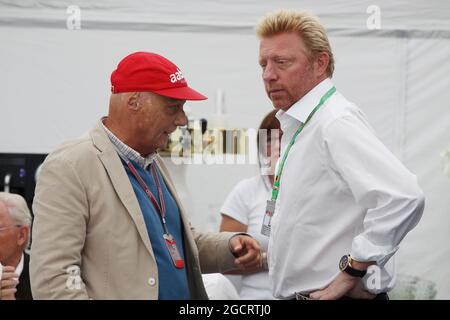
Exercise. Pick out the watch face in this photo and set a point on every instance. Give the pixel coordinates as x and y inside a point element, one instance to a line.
<point>343,263</point>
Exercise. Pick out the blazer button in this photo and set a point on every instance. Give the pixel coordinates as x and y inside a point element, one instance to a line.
<point>151,281</point>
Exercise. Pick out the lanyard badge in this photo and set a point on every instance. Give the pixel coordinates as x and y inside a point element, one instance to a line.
<point>173,250</point>
<point>270,207</point>
<point>270,210</point>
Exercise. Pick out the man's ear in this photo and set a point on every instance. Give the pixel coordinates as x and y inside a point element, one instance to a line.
<point>133,101</point>
<point>321,64</point>
<point>23,235</point>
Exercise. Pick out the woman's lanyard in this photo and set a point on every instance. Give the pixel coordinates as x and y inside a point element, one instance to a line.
<point>270,208</point>
<point>161,210</point>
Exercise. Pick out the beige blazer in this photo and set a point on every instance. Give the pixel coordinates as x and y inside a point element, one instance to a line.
<point>89,236</point>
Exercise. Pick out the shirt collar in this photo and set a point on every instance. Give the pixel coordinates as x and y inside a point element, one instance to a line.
<point>19,267</point>
<point>128,152</point>
<point>303,107</point>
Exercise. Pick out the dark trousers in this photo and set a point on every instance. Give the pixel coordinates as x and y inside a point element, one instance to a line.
<point>380,296</point>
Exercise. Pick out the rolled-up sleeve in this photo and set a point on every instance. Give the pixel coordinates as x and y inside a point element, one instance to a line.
<point>379,182</point>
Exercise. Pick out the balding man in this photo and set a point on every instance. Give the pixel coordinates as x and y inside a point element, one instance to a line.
<point>15,222</point>
<point>108,221</point>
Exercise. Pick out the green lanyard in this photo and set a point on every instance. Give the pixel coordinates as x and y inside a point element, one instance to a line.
<point>276,182</point>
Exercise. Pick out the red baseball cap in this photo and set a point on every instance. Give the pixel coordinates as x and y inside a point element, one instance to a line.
<point>147,71</point>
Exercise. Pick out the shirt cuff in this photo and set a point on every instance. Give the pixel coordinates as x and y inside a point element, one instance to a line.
<point>364,251</point>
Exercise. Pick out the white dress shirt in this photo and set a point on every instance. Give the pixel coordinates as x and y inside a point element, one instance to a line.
<point>19,267</point>
<point>246,203</point>
<point>218,287</point>
<point>342,192</point>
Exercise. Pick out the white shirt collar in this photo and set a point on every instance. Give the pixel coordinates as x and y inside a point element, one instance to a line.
<point>303,107</point>
<point>19,267</point>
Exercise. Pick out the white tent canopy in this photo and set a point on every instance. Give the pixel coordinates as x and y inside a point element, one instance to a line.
<point>55,85</point>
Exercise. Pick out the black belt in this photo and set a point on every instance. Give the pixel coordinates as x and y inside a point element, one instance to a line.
<point>380,296</point>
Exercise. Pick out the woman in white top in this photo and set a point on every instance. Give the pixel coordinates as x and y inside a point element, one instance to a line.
<point>244,208</point>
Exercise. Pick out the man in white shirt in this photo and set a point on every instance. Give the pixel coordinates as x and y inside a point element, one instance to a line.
<point>342,202</point>
<point>15,222</point>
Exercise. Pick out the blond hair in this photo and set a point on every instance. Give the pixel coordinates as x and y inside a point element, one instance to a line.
<point>305,24</point>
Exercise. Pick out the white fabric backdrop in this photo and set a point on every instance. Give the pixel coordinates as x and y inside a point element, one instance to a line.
<point>55,84</point>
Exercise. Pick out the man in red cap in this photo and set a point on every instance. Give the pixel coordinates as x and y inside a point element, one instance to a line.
<point>108,221</point>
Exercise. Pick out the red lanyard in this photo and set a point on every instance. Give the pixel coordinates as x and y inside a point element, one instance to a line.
<point>160,209</point>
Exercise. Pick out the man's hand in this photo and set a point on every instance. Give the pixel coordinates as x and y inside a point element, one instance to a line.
<point>8,283</point>
<point>344,284</point>
<point>247,251</point>
<point>358,292</point>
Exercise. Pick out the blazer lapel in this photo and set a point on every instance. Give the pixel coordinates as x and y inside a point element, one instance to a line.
<point>120,181</point>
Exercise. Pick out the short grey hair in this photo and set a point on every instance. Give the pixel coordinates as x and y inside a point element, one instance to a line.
<point>17,208</point>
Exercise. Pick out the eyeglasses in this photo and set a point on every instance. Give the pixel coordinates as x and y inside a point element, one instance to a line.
<point>9,227</point>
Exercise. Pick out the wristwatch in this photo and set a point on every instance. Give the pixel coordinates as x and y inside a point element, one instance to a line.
<point>345,265</point>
